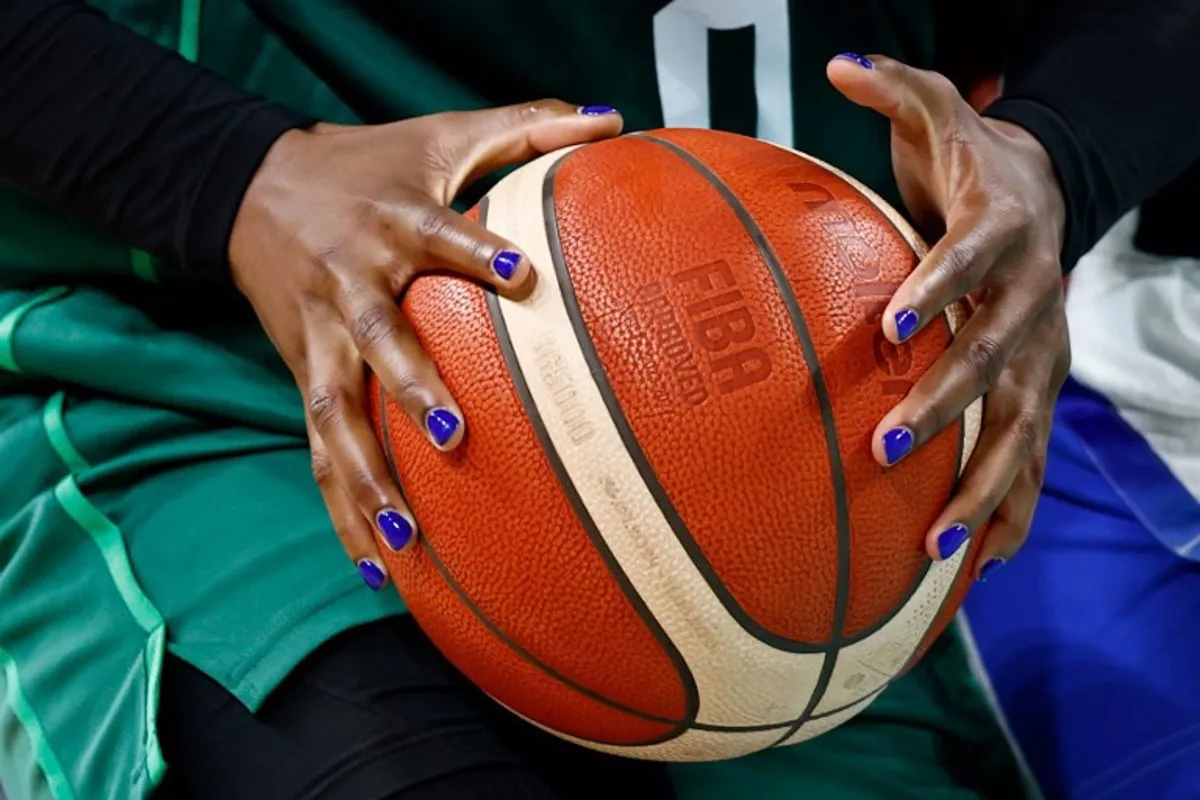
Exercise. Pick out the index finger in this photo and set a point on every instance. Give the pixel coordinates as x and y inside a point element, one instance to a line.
<point>918,102</point>
<point>951,269</point>
<point>336,398</point>
<point>484,141</point>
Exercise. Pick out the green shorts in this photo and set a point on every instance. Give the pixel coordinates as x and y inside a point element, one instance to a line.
<point>188,520</point>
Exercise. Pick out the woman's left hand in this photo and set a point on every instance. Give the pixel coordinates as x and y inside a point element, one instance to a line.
<point>985,194</point>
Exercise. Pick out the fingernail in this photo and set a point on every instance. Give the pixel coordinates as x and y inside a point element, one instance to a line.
<point>989,569</point>
<point>951,539</point>
<point>596,111</point>
<point>396,528</point>
<point>372,574</point>
<point>906,323</point>
<point>862,61</point>
<point>505,264</point>
<point>441,424</point>
<point>896,444</point>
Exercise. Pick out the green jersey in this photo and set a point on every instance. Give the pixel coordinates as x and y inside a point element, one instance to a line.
<point>155,489</point>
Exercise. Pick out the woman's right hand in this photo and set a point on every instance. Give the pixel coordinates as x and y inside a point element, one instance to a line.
<point>335,225</point>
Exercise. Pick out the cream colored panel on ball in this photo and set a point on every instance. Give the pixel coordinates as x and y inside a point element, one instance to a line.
<point>815,727</point>
<point>691,745</point>
<point>741,680</point>
<point>867,665</point>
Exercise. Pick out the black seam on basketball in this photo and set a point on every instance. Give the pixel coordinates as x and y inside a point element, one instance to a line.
<point>691,693</point>
<point>431,552</point>
<point>800,328</point>
<point>824,404</point>
<point>965,564</point>
<point>527,400</point>
<point>386,441</point>
<point>887,617</point>
<point>924,572</point>
<point>681,725</point>
<point>860,701</point>
<point>634,448</point>
<point>962,450</point>
<point>533,414</point>
<point>499,633</point>
<point>958,466</point>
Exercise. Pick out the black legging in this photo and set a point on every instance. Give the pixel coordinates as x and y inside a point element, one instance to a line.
<point>375,713</point>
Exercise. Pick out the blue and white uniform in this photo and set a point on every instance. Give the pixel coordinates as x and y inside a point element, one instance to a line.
<point>1090,638</point>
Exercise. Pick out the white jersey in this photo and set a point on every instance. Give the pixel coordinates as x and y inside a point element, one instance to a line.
<point>1135,336</point>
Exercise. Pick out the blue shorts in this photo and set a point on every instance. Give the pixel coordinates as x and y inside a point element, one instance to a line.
<point>1090,637</point>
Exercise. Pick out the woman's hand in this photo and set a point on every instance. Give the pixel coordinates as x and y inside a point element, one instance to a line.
<point>334,226</point>
<point>985,192</point>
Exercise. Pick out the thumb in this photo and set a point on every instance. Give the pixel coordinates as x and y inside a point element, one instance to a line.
<point>479,142</point>
<point>918,102</point>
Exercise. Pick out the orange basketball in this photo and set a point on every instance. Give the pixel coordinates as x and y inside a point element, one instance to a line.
<point>664,534</point>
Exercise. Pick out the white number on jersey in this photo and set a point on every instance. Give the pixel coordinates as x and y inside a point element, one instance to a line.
<point>681,56</point>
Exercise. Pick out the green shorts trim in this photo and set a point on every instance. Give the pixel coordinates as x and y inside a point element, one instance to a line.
<point>10,321</point>
<point>109,540</point>
<point>18,706</point>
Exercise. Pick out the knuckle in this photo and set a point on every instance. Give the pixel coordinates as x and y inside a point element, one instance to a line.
<point>480,253</point>
<point>432,224</point>
<point>1049,281</point>
<point>1027,431</point>
<point>373,326</point>
<point>326,406</point>
<point>411,389</point>
<point>1037,471</point>
<point>543,107</point>
<point>364,210</point>
<point>929,420</point>
<point>985,359</point>
<point>365,486</point>
<point>322,468</point>
<point>1062,365</point>
<point>1043,301</point>
<point>1010,218</point>
<point>328,259</point>
<point>364,217</point>
<point>957,267</point>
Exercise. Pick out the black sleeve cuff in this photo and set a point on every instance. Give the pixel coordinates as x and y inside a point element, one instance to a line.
<point>1070,167</point>
<point>204,241</point>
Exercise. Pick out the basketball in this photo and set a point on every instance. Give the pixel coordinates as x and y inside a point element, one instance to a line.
<point>664,535</point>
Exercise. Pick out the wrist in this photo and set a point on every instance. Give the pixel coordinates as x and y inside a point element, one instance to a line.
<point>218,200</point>
<point>1032,158</point>
<point>1071,178</point>
<point>276,182</point>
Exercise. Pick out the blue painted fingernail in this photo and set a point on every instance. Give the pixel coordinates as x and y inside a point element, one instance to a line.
<point>441,424</point>
<point>951,539</point>
<point>596,111</point>
<point>372,574</point>
<point>906,323</point>
<point>505,264</point>
<point>862,61</point>
<point>989,569</point>
<point>896,444</point>
<point>396,528</point>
